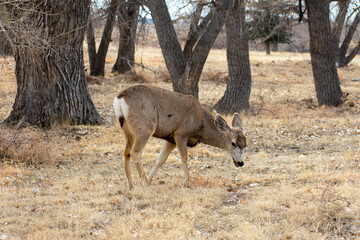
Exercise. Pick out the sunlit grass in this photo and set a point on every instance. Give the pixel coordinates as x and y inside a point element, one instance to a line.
<point>301,177</point>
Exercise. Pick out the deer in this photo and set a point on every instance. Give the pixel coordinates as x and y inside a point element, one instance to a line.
<point>144,111</point>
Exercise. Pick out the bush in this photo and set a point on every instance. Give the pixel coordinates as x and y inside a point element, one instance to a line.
<point>28,146</point>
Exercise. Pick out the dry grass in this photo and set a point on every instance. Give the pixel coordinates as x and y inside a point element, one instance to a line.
<point>301,177</point>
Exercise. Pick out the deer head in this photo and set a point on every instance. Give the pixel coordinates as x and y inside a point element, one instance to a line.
<point>235,140</point>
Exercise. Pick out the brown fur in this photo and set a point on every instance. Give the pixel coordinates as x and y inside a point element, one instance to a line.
<point>179,119</point>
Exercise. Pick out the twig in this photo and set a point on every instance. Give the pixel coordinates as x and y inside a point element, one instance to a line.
<point>267,110</point>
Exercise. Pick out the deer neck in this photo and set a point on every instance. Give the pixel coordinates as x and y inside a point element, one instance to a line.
<point>210,135</point>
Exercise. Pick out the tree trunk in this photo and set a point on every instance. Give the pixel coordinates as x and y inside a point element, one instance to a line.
<point>127,23</point>
<point>328,91</point>
<point>190,81</point>
<point>237,94</point>
<point>90,37</point>
<point>169,44</point>
<point>267,47</point>
<point>352,54</point>
<point>195,30</point>
<point>342,59</point>
<point>51,84</point>
<point>99,67</point>
<point>185,75</point>
<point>5,45</point>
<point>339,22</point>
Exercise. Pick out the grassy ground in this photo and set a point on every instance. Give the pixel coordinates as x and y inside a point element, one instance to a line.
<point>301,178</point>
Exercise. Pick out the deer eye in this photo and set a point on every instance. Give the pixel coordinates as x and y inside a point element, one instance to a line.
<point>233,144</point>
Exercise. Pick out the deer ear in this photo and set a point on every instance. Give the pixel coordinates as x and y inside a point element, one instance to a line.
<point>236,122</point>
<point>221,124</point>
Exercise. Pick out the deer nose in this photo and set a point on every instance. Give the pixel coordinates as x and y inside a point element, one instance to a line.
<point>238,164</point>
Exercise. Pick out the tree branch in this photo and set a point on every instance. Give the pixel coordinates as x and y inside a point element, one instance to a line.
<point>352,54</point>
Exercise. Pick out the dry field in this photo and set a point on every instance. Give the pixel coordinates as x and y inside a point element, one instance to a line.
<point>301,178</point>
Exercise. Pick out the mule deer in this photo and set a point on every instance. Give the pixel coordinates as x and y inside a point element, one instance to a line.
<point>145,111</point>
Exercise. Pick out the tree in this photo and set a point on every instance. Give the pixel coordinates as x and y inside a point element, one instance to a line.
<point>342,59</point>
<point>5,45</point>
<point>185,73</point>
<point>327,86</point>
<point>51,84</point>
<point>91,43</point>
<point>237,94</point>
<point>127,24</point>
<point>98,67</point>
<point>270,22</point>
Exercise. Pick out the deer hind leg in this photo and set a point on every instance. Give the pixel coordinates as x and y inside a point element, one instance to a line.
<point>181,143</point>
<point>129,144</point>
<point>166,149</point>
<point>136,152</point>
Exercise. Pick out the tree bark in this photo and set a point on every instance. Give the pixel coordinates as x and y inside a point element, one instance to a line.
<point>99,67</point>
<point>190,81</point>
<point>342,59</point>
<point>267,47</point>
<point>90,38</point>
<point>339,22</point>
<point>5,45</point>
<point>185,75</point>
<point>195,30</point>
<point>352,54</point>
<point>127,23</point>
<point>51,84</point>
<point>237,94</point>
<point>327,86</point>
<point>169,44</point>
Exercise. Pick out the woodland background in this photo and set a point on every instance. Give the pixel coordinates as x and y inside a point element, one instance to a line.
<point>301,177</point>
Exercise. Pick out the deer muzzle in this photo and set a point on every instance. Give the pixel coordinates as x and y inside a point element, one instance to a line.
<point>238,163</point>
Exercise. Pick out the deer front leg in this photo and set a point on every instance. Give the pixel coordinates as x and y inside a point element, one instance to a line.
<point>181,143</point>
<point>166,149</point>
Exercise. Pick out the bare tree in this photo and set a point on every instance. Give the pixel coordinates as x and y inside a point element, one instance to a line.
<point>127,23</point>
<point>196,29</point>
<point>327,86</point>
<point>91,43</point>
<point>351,20</point>
<point>185,72</point>
<point>237,94</point>
<point>5,41</point>
<point>51,84</point>
<point>98,69</point>
<point>270,21</point>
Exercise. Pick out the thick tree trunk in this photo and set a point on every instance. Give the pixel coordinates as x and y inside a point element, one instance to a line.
<point>90,38</point>
<point>51,84</point>
<point>328,91</point>
<point>99,67</point>
<point>127,22</point>
<point>237,94</point>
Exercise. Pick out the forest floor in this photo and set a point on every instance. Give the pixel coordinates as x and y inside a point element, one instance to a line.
<point>301,178</point>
